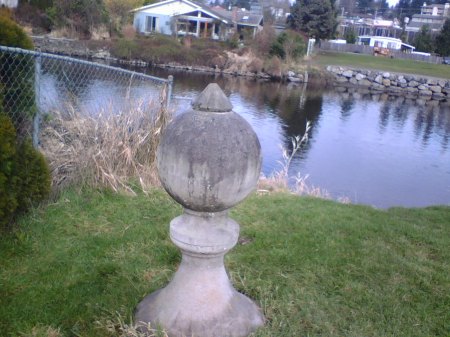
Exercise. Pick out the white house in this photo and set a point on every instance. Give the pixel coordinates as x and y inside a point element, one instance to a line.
<point>9,3</point>
<point>185,17</point>
<point>433,16</point>
<point>384,42</point>
<point>180,17</point>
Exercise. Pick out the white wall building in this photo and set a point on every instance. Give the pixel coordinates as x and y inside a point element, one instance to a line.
<point>9,3</point>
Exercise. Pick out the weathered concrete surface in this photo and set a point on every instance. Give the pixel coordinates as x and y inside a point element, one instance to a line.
<point>212,99</point>
<point>208,160</point>
<point>200,300</point>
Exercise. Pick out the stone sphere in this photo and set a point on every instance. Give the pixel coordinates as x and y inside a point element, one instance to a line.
<point>209,161</point>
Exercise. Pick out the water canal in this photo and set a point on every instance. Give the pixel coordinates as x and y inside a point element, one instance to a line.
<point>372,149</point>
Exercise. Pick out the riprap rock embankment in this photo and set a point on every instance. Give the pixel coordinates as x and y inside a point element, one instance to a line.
<point>392,83</point>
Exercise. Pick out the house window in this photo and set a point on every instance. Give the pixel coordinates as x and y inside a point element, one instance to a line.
<point>151,24</point>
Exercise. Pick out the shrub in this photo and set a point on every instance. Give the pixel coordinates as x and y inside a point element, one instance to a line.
<point>24,174</point>
<point>274,67</point>
<point>264,40</point>
<point>256,65</point>
<point>80,16</point>
<point>8,201</point>
<point>277,49</point>
<point>294,45</point>
<point>128,32</point>
<point>11,34</point>
<point>124,48</point>
<point>219,61</point>
<point>34,176</point>
<point>158,48</point>
<point>16,74</point>
<point>289,45</point>
<point>34,16</point>
<point>350,36</point>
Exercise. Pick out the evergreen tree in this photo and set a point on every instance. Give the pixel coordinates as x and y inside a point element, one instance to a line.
<point>348,6</point>
<point>443,40</point>
<point>407,8</point>
<point>415,7</point>
<point>402,10</point>
<point>424,40</point>
<point>365,6</point>
<point>383,5</point>
<point>350,35</point>
<point>315,18</point>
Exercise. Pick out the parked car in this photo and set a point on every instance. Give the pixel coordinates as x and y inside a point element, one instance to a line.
<point>446,60</point>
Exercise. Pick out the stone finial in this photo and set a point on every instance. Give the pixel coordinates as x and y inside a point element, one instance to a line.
<point>212,99</point>
<point>208,162</point>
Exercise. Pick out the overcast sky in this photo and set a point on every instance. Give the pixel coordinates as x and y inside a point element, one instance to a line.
<point>392,2</point>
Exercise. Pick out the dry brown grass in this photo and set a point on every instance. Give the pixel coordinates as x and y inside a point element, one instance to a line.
<point>246,62</point>
<point>118,327</point>
<point>280,181</point>
<point>113,150</point>
<point>43,331</point>
<point>129,32</point>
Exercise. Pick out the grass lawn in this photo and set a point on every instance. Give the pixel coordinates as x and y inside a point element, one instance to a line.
<point>317,268</point>
<point>382,63</point>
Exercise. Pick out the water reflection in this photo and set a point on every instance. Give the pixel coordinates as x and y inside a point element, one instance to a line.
<point>431,117</point>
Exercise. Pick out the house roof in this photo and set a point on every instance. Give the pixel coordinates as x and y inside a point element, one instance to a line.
<point>425,16</point>
<point>442,6</point>
<point>408,46</point>
<point>413,25</point>
<point>179,7</point>
<point>250,19</point>
<point>244,18</point>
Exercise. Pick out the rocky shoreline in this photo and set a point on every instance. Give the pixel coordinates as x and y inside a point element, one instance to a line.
<point>369,80</point>
<point>77,48</point>
<point>396,84</point>
<point>290,76</point>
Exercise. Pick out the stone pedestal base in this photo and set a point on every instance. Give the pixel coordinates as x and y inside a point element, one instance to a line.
<point>200,300</point>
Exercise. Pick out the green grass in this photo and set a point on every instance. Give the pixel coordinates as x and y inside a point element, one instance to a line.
<point>382,63</point>
<point>316,267</point>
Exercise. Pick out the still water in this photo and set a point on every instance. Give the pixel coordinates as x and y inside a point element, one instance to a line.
<point>372,149</point>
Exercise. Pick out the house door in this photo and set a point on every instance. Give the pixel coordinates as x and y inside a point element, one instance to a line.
<point>151,24</point>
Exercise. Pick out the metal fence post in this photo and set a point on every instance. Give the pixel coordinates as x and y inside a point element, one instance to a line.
<point>169,90</point>
<point>37,99</point>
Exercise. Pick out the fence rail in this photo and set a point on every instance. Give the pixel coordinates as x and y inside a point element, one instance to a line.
<point>368,50</point>
<point>33,84</point>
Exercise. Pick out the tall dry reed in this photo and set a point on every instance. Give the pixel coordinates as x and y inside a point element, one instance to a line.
<point>112,149</point>
<point>280,181</point>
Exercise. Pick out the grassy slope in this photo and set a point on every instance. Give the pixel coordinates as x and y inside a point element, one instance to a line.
<point>316,267</point>
<point>383,63</point>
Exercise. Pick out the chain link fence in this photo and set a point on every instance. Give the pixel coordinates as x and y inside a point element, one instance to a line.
<point>34,85</point>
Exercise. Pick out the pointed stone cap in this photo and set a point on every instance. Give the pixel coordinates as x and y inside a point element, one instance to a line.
<point>212,99</point>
